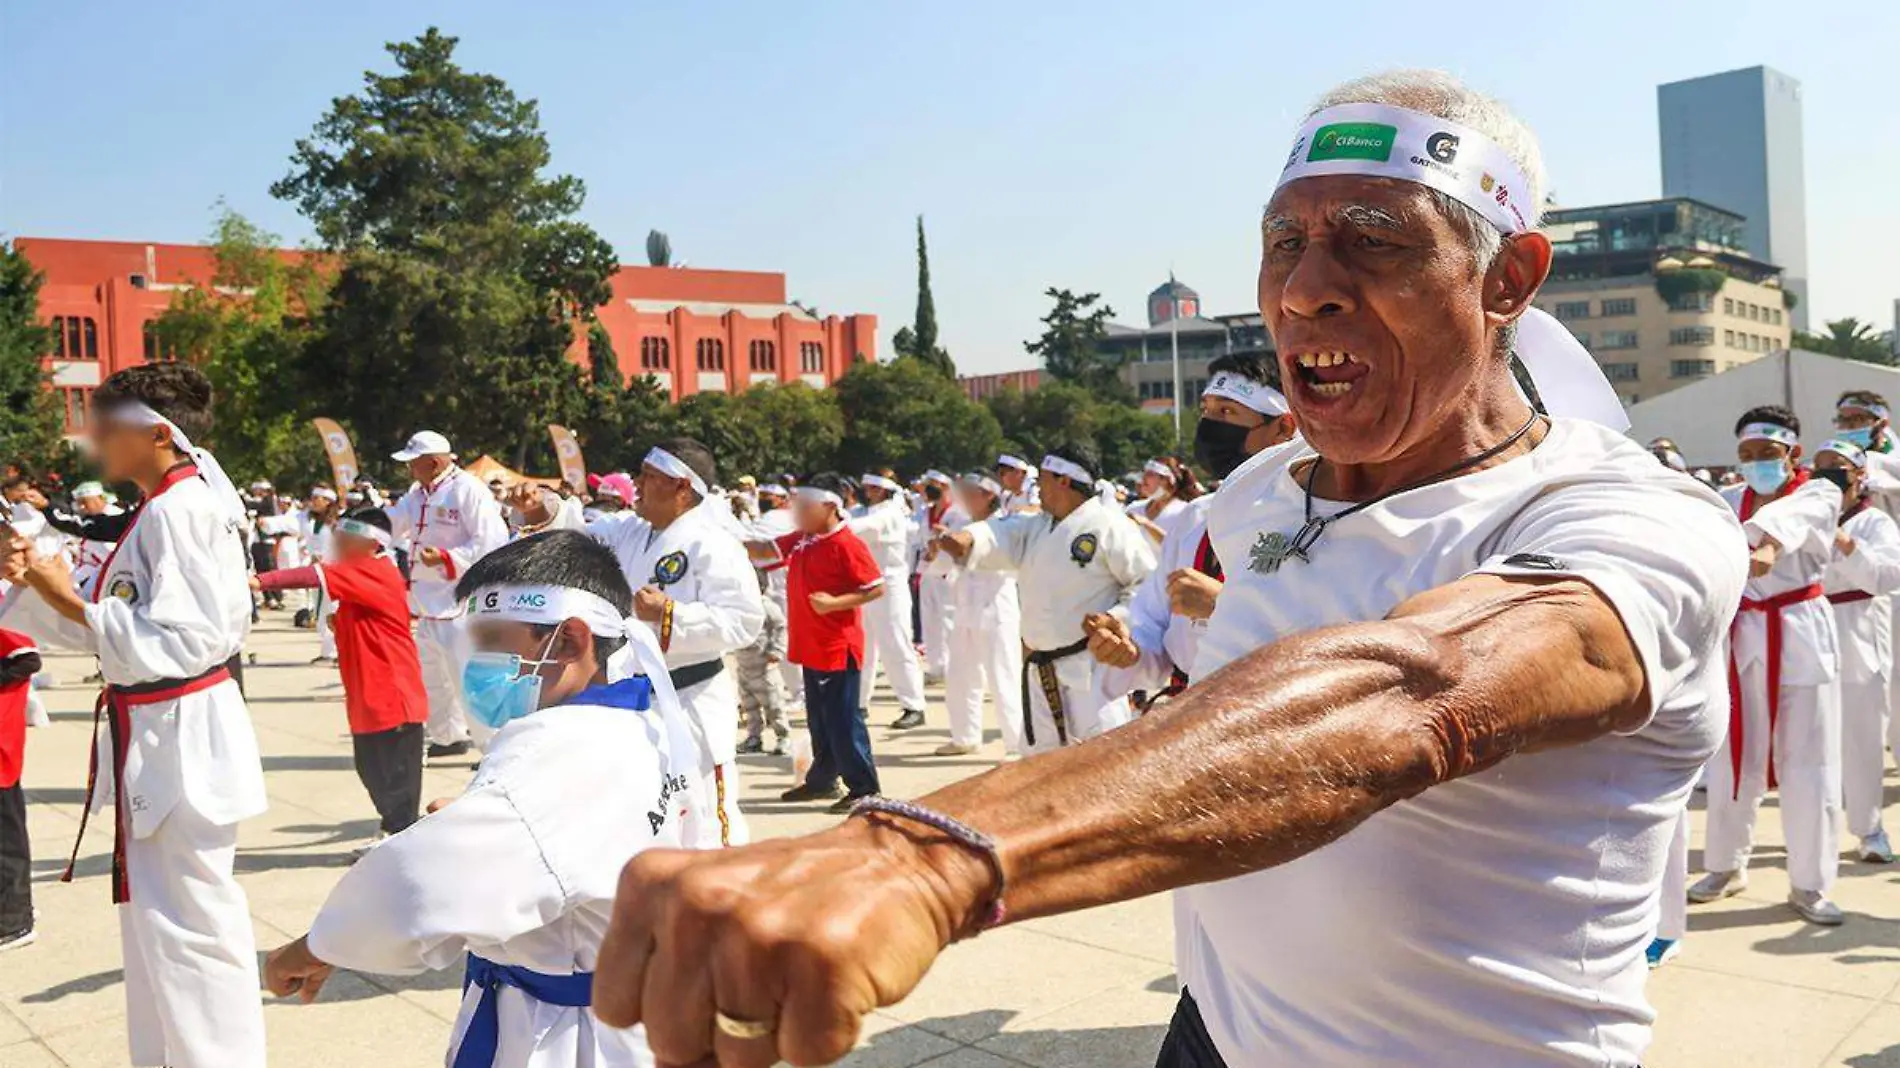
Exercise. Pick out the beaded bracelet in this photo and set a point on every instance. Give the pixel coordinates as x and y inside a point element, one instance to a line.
<point>961,833</point>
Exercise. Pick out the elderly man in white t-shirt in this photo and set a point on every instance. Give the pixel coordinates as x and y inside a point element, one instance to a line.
<point>1462,673</point>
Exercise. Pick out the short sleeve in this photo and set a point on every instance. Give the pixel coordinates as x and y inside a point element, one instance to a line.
<point>863,570</point>
<point>785,543</point>
<point>1671,562</point>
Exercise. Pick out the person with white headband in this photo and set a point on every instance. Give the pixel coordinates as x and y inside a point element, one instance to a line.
<point>985,640</point>
<point>1150,643</point>
<point>1018,478</point>
<point>591,764</point>
<point>383,694</point>
<point>885,528</point>
<point>940,513</point>
<point>1082,557</point>
<point>1454,692</point>
<point>774,521</point>
<point>695,590</point>
<point>1860,582</point>
<point>446,521</point>
<point>167,615</point>
<point>94,524</point>
<point>317,526</point>
<point>1784,670</point>
<point>1162,495</point>
<point>1863,418</point>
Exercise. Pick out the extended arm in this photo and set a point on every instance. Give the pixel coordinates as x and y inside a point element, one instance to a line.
<point>102,527</point>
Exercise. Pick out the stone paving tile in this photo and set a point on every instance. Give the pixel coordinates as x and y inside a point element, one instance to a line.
<point>1874,1044</point>
<point>29,1054</point>
<point>1708,1019</point>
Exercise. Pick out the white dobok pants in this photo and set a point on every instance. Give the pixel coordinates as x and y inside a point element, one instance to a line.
<point>1673,923</point>
<point>887,642</point>
<point>1864,726</point>
<point>326,634</point>
<point>1086,710</point>
<point>1807,745</point>
<point>934,612</point>
<point>712,715</point>
<point>191,983</point>
<point>442,648</point>
<point>985,660</point>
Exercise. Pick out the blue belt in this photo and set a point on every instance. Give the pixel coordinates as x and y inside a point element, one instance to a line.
<point>479,1042</point>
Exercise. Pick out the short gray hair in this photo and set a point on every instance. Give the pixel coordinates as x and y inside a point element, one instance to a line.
<point>1435,92</point>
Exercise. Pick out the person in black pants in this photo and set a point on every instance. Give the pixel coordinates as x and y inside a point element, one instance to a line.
<point>19,662</point>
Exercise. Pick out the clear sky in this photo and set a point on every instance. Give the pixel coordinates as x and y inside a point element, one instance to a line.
<point>1089,145</point>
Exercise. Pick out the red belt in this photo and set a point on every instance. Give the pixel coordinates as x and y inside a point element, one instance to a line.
<point>1772,606</point>
<point>1850,597</point>
<point>121,701</point>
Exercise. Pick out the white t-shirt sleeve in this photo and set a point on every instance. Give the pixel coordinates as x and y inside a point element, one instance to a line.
<point>1671,562</point>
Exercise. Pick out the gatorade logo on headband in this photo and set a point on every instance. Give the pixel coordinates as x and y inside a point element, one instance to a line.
<point>1774,432</point>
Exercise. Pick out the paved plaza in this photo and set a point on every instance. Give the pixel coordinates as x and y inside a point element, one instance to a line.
<point>1756,987</point>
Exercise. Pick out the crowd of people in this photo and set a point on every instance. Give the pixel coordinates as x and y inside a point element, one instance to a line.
<point>1400,682</point>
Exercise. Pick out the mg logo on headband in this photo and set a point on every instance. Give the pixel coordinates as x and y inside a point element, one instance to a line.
<point>1353,140</point>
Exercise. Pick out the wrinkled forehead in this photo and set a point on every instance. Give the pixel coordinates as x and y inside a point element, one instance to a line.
<point>1359,200</point>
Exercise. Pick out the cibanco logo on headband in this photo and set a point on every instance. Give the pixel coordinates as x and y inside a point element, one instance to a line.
<point>1353,140</point>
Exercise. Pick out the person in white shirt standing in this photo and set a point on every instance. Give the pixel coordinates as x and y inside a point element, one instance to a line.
<point>885,528</point>
<point>446,522</point>
<point>1785,703</point>
<point>316,525</point>
<point>1860,581</point>
<point>1018,479</point>
<point>940,513</point>
<point>986,641</point>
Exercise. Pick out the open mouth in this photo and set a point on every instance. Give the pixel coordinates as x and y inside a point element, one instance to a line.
<point>1331,373</point>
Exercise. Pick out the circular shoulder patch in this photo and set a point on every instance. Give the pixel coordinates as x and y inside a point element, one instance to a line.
<point>669,569</point>
<point>1082,549</point>
<point>124,590</point>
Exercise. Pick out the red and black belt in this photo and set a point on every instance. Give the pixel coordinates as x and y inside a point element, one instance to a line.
<point>1849,597</point>
<point>1771,608</point>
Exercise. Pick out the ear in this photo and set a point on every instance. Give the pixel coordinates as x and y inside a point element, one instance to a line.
<point>1515,276</point>
<point>575,641</point>
<point>1794,454</point>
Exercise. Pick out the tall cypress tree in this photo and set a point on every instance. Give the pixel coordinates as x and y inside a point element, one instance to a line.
<point>30,421</point>
<point>923,334</point>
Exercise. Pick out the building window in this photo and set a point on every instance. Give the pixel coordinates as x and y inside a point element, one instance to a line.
<point>1573,309</point>
<point>1728,305</point>
<point>1582,336</point>
<point>1693,302</point>
<point>656,354</point>
<point>1728,338</point>
<point>762,356</point>
<point>1692,335</point>
<point>154,348</point>
<point>710,354</point>
<point>1691,368</point>
<point>75,337</point>
<point>76,403</point>
<point>1616,339</point>
<point>1621,372</point>
<point>811,357</point>
<point>1619,306</point>
<point>1777,312</point>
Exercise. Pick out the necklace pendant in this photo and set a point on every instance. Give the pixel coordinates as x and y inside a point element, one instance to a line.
<point>1269,551</point>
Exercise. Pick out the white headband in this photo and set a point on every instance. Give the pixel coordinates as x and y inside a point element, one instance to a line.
<point>360,529</point>
<point>138,413</point>
<point>323,493</point>
<point>1056,465</point>
<point>553,605</point>
<point>1242,390</point>
<point>1006,460</point>
<point>818,496</point>
<point>1156,467</point>
<point>773,488</point>
<point>1846,450</point>
<point>1382,141</point>
<point>1774,432</point>
<point>669,464</point>
<point>934,475</point>
<point>882,483</point>
<point>1878,411</point>
<point>986,484</point>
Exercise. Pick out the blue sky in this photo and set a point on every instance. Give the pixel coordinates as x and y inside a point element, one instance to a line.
<point>1092,146</point>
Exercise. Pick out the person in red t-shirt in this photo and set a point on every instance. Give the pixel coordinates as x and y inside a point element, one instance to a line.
<point>19,661</point>
<point>376,652</point>
<point>829,577</point>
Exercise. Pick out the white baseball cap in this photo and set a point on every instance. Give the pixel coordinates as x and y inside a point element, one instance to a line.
<point>423,443</point>
<point>88,489</point>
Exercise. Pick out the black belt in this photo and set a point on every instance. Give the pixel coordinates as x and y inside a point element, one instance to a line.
<point>1043,663</point>
<point>694,674</point>
<point>1188,1044</point>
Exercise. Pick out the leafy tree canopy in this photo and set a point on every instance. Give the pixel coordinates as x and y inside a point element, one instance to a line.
<point>30,421</point>
<point>1070,345</point>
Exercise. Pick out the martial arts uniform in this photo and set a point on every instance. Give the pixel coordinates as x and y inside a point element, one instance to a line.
<point>761,700</point>
<point>1881,484</point>
<point>986,654</point>
<point>1785,711</point>
<point>770,526</point>
<point>936,600</point>
<point>19,661</point>
<point>458,516</point>
<point>1858,586</point>
<point>1500,918</point>
<point>1166,641</point>
<point>887,532</point>
<point>517,876</point>
<point>169,612</point>
<point>1091,561</point>
<point>1170,512</point>
<point>717,609</point>
<point>316,534</point>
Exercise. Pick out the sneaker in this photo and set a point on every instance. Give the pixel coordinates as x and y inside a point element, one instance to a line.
<point>1717,885</point>
<point>1815,908</point>
<point>1663,950</point>
<point>19,939</point>
<point>808,792</point>
<point>363,850</point>
<point>955,749</point>
<point>911,718</point>
<point>781,747</point>
<point>323,660</point>
<point>751,745</point>
<point>1874,849</point>
<point>845,804</point>
<point>439,751</point>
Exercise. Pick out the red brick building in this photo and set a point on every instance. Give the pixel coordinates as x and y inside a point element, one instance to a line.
<point>981,387</point>
<point>693,330</point>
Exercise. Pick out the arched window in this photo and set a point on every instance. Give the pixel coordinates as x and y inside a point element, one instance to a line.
<point>655,354</point>
<point>710,354</point>
<point>811,357</point>
<point>762,356</point>
<point>75,337</point>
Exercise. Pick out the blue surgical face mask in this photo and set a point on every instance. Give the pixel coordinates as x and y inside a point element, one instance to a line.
<point>495,689</point>
<point>1765,477</point>
<point>1860,435</point>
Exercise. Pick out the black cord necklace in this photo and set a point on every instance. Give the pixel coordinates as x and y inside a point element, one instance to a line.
<point>1270,550</point>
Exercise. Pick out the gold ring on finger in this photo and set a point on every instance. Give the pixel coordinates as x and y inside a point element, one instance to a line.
<point>743,1029</point>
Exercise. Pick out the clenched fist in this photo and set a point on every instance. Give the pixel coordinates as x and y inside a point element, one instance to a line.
<point>1110,640</point>
<point>1192,593</point>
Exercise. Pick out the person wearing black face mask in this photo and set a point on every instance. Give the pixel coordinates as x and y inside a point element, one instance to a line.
<point>1151,642</point>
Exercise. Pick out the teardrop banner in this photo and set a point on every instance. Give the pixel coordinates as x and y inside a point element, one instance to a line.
<point>568,451</point>
<point>336,446</point>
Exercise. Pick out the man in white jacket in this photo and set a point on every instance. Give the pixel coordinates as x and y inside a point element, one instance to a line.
<point>886,529</point>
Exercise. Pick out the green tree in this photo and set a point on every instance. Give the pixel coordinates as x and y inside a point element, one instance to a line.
<point>922,339</point>
<point>801,428</point>
<point>1070,346</point>
<point>659,249</point>
<point>619,424</point>
<point>30,423</point>
<point>603,362</point>
<point>909,416</point>
<point>1849,339</point>
<point>1058,413</point>
<point>463,282</point>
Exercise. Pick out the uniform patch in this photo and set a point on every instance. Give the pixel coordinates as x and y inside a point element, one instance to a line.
<point>1535,562</point>
<point>669,569</point>
<point>124,589</point>
<point>1082,549</point>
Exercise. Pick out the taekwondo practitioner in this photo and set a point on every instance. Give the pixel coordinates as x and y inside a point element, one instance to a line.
<point>167,614</point>
<point>986,640</point>
<point>940,513</point>
<point>591,763</point>
<point>1864,573</point>
<point>1082,557</point>
<point>1464,656</point>
<point>774,520</point>
<point>1862,417</point>
<point>446,522</point>
<point>1785,704</point>
<point>886,530</point>
<point>1018,479</point>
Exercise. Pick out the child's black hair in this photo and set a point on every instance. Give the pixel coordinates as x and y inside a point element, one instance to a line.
<point>177,391</point>
<point>556,558</point>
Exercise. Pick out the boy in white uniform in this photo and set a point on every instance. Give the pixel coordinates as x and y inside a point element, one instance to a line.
<point>937,576</point>
<point>168,612</point>
<point>1082,557</point>
<point>1785,704</point>
<point>986,641</point>
<point>1864,572</point>
<point>885,528</point>
<point>591,762</point>
<point>447,521</point>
